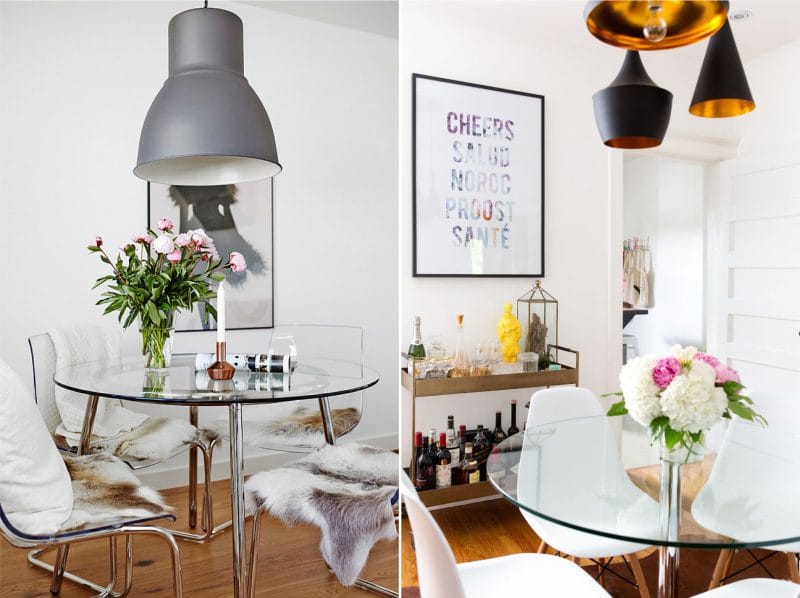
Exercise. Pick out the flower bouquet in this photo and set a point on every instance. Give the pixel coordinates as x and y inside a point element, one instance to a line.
<point>156,275</point>
<point>681,396</point>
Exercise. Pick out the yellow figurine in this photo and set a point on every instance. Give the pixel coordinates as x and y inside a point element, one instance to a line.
<point>509,331</point>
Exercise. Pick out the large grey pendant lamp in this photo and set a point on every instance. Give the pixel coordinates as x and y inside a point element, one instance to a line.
<point>206,126</point>
<point>632,112</point>
<point>722,88</point>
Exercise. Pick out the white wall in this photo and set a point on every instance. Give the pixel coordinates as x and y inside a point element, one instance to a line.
<point>774,123</point>
<point>664,200</point>
<point>77,80</point>
<point>487,45</point>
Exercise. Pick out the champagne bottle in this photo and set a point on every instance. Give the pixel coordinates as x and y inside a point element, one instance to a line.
<point>513,429</point>
<point>497,434</point>
<point>426,479</point>
<point>416,350</point>
<point>461,365</point>
<point>452,440</point>
<point>443,459</point>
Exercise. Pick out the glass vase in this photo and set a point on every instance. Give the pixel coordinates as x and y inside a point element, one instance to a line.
<point>157,346</point>
<point>683,455</point>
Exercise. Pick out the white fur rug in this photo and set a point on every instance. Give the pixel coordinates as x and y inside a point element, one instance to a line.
<point>344,490</point>
<point>105,491</point>
<point>158,438</point>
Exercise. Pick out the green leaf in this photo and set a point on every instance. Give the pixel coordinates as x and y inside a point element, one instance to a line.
<point>657,427</point>
<point>617,408</point>
<point>152,312</point>
<point>732,388</point>
<point>612,394</point>
<point>672,437</point>
<point>741,410</point>
<point>218,276</point>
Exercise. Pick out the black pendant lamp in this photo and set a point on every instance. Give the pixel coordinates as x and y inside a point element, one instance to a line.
<point>654,24</point>
<point>722,88</point>
<point>206,126</point>
<point>633,112</point>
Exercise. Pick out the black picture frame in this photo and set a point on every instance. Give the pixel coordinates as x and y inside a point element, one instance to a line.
<point>422,272</point>
<point>267,266</point>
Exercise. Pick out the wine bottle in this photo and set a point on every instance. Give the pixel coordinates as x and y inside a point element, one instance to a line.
<point>432,450</point>
<point>417,446</point>
<point>461,365</point>
<point>498,435</point>
<point>513,429</point>
<point>480,447</point>
<point>464,468</point>
<point>443,460</point>
<point>462,444</point>
<point>452,439</point>
<point>416,349</point>
<point>426,478</point>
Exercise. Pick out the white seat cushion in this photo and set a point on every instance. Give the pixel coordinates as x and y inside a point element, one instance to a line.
<point>35,489</point>
<point>540,575</point>
<point>750,588</point>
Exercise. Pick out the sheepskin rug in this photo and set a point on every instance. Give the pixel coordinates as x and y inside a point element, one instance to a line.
<point>346,491</point>
<point>105,490</point>
<point>300,428</point>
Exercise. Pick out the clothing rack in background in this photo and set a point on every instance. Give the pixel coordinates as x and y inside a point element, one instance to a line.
<point>636,272</point>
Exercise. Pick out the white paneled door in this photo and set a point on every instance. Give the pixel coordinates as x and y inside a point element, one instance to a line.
<point>758,295</point>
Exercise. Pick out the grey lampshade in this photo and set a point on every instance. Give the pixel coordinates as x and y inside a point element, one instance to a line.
<point>632,112</point>
<point>206,126</point>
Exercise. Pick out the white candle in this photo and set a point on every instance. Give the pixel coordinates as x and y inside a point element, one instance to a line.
<point>221,312</point>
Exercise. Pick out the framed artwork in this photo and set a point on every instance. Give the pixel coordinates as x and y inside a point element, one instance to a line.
<point>478,180</point>
<point>239,218</point>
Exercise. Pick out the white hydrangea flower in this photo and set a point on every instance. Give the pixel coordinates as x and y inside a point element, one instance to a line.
<point>691,401</point>
<point>684,354</point>
<point>639,390</point>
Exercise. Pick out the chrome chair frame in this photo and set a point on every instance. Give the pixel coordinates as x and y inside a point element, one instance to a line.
<point>125,527</point>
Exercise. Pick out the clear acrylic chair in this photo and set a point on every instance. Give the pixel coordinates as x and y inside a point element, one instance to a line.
<point>43,360</point>
<point>555,404</point>
<point>514,575</point>
<point>301,426</point>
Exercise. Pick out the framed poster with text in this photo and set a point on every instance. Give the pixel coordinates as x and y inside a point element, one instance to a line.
<point>478,180</point>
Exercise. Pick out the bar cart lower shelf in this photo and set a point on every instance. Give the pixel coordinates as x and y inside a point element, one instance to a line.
<point>567,375</point>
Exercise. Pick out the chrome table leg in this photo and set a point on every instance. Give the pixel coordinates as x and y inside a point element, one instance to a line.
<point>669,522</point>
<point>88,424</point>
<point>237,501</point>
<point>327,420</point>
<point>193,472</point>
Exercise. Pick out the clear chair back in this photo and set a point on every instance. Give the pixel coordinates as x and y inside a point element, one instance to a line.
<point>43,361</point>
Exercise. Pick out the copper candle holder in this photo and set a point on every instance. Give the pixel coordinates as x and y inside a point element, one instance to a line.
<point>221,369</point>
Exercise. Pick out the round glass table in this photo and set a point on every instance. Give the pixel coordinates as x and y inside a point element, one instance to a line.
<point>313,378</point>
<point>600,476</point>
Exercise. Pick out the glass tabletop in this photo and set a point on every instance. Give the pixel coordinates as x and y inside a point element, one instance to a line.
<point>181,384</point>
<point>601,476</point>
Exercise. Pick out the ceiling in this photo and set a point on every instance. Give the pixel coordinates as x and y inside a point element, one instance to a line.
<point>373,16</point>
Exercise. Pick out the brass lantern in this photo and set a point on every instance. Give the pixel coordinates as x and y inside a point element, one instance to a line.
<point>537,312</point>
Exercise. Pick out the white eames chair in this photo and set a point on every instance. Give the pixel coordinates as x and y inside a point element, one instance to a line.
<point>557,404</point>
<point>525,574</point>
<point>740,464</point>
<point>755,588</point>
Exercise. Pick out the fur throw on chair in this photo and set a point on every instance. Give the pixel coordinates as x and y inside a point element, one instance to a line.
<point>344,490</point>
<point>299,428</point>
<point>105,490</point>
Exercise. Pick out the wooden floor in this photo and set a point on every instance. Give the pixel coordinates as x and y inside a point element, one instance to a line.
<point>496,528</point>
<point>290,564</point>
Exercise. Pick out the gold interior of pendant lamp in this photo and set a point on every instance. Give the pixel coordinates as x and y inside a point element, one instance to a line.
<point>633,142</point>
<point>722,108</point>
<point>620,23</point>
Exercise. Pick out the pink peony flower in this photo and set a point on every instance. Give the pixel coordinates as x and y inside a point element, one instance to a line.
<point>183,239</point>
<point>665,371</point>
<point>237,262</point>
<point>201,239</point>
<point>726,374</point>
<point>163,244</point>
<point>706,358</point>
<point>98,241</point>
<point>174,256</point>
<point>165,224</point>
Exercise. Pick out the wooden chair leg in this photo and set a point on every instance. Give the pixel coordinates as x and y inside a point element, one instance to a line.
<point>542,547</point>
<point>722,568</point>
<point>794,566</point>
<point>638,575</point>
